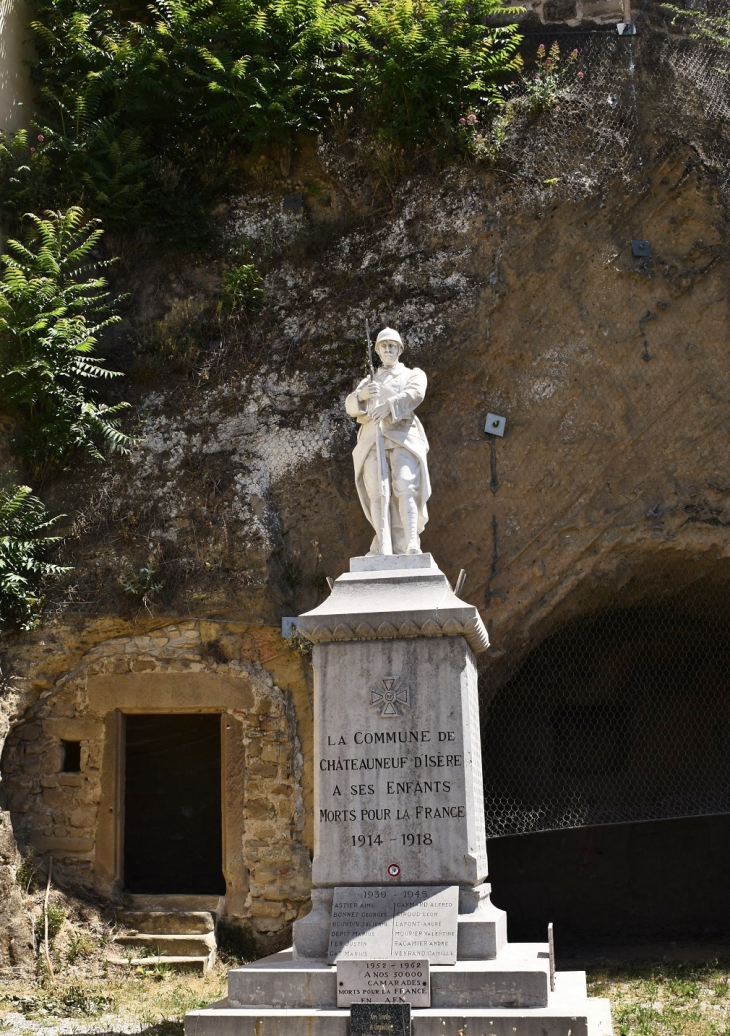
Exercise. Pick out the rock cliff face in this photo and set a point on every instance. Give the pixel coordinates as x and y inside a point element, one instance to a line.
<point>518,299</point>
<point>605,366</point>
<point>16,948</point>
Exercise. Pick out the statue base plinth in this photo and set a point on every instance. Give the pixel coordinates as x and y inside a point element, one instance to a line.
<point>399,802</point>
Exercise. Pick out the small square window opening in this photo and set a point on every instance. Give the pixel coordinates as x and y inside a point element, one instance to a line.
<point>71,756</point>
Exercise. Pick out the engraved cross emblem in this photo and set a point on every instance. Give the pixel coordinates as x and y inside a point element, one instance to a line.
<point>390,697</point>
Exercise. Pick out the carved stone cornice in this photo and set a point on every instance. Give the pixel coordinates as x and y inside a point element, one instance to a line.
<point>473,632</point>
<point>393,597</point>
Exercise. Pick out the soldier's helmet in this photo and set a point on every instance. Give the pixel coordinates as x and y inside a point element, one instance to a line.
<point>388,334</point>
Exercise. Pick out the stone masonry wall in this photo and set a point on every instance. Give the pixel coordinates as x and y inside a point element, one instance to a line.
<point>59,813</point>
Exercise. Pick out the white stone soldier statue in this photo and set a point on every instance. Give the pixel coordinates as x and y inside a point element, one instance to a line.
<point>391,443</point>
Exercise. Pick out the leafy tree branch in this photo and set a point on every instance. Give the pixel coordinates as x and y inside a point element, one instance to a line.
<point>51,315</point>
<point>24,545</point>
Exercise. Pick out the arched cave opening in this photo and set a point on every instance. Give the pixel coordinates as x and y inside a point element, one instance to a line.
<point>607,772</point>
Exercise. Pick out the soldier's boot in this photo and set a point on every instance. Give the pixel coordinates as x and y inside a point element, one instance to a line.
<point>408,510</point>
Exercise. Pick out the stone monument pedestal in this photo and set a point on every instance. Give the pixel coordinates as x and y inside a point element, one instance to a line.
<point>479,998</point>
<point>399,820</point>
<point>281,997</point>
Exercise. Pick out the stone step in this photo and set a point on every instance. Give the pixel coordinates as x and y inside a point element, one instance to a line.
<point>168,922</point>
<point>170,945</point>
<point>518,978</point>
<point>133,901</point>
<point>198,965</point>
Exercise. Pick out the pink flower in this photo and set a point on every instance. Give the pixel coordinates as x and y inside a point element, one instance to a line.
<point>462,122</point>
<point>472,118</point>
<point>574,52</point>
<point>581,74</point>
<point>548,62</point>
<point>41,137</point>
<point>541,48</point>
<point>32,149</point>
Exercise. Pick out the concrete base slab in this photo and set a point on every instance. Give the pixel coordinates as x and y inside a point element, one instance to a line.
<point>569,1013</point>
<point>600,1022</point>
<point>520,977</point>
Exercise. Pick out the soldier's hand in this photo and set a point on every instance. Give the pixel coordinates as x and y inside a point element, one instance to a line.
<point>380,411</point>
<point>369,391</point>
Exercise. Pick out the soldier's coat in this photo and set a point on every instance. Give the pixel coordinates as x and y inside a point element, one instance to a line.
<point>404,388</point>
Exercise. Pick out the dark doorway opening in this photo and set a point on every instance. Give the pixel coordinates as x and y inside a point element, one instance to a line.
<point>173,824</point>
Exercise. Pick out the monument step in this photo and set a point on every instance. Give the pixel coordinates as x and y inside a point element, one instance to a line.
<point>569,1013</point>
<point>168,922</point>
<point>173,936</point>
<point>518,978</point>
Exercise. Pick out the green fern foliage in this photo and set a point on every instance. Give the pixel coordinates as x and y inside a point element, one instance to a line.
<point>24,546</point>
<point>142,107</point>
<point>425,61</point>
<point>261,68</point>
<point>51,314</point>
<point>273,69</point>
<point>146,108</point>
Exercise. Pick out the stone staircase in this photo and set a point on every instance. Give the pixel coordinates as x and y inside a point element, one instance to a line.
<point>175,931</point>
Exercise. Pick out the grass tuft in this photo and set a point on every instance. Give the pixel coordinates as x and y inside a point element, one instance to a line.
<point>671,998</point>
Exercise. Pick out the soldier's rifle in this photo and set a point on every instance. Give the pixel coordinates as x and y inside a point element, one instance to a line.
<point>386,542</point>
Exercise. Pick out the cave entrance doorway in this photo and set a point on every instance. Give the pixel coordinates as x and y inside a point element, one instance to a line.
<point>173,831</point>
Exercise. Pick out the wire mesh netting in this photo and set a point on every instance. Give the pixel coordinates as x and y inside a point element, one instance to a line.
<point>585,134</point>
<point>620,710</point>
<point>618,89</point>
<point>621,713</point>
<point>620,717</point>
